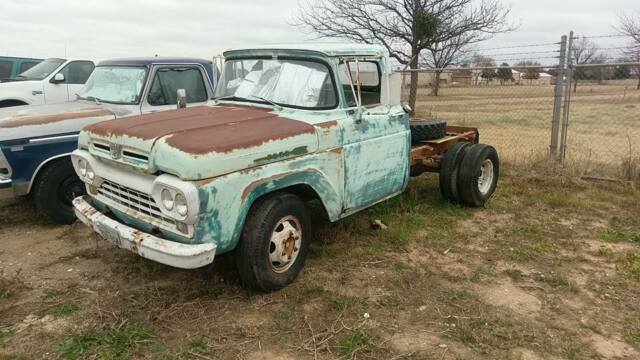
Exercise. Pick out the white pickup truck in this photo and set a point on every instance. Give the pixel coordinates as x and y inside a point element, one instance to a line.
<point>51,81</point>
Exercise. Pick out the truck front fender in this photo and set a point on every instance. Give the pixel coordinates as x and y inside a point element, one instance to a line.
<point>225,205</point>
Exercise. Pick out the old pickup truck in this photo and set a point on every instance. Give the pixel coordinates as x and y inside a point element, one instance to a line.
<point>288,124</point>
<point>36,140</point>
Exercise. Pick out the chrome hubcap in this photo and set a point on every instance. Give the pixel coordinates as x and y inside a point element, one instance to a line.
<point>486,176</point>
<point>285,244</point>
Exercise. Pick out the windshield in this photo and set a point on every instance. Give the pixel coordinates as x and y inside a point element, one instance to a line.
<point>115,84</point>
<point>42,70</point>
<point>293,83</point>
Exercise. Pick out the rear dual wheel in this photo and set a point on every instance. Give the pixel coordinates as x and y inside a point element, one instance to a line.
<point>469,173</point>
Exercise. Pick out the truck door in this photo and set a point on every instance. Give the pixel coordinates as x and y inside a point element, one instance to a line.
<point>376,144</point>
<point>75,75</point>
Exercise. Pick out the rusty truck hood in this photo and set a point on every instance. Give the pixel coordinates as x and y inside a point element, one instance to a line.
<point>201,142</point>
<point>31,121</point>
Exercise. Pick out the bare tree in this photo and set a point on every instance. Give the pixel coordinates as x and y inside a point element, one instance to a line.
<point>629,24</point>
<point>583,51</point>
<point>445,53</point>
<point>632,54</point>
<point>405,27</point>
<point>530,69</point>
<point>482,61</point>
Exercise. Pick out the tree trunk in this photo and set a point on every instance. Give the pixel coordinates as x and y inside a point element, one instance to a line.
<point>575,84</point>
<point>638,87</point>
<point>436,86</point>
<point>413,86</point>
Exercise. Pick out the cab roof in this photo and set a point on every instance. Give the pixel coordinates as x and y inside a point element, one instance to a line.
<point>145,61</point>
<point>326,49</point>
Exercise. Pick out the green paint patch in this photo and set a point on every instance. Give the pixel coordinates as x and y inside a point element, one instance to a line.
<point>282,155</point>
<point>65,309</point>
<point>113,344</point>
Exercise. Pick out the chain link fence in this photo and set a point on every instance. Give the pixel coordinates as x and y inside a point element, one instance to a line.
<point>586,116</point>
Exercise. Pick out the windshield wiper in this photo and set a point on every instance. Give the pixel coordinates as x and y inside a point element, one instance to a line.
<point>240,98</point>
<point>277,106</point>
<point>90,98</point>
<point>230,97</point>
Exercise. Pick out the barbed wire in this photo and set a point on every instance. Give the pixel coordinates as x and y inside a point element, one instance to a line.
<point>522,53</point>
<point>601,36</point>
<point>518,46</point>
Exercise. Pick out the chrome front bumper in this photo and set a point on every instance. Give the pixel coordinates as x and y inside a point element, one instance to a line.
<point>146,245</point>
<point>6,189</point>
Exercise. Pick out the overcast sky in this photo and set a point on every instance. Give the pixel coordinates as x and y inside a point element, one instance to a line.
<point>204,28</point>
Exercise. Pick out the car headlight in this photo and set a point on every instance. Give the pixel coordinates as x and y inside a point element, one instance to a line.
<point>82,167</point>
<point>90,173</point>
<point>181,205</point>
<point>167,199</point>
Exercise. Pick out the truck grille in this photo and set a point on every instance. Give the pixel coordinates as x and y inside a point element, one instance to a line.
<point>130,199</point>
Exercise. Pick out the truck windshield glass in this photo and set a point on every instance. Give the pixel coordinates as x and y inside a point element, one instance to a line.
<point>115,84</point>
<point>42,70</point>
<point>292,83</point>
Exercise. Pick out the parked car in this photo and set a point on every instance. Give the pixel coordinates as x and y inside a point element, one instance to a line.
<point>289,124</point>
<point>35,141</point>
<point>12,66</point>
<point>49,82</point>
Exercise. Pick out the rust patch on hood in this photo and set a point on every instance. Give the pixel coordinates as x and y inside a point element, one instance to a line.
<point>26,120</point>
<point>203,129</point>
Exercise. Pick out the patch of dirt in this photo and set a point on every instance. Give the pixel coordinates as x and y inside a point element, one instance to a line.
<point>268,355</point>
<point>613,349</point>
<point>506,294</point>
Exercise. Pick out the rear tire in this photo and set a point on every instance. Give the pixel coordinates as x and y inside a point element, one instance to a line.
<point>424,130</point>
<point>54,190</point>
<point>478,175</point>
<point>449,171</point>
<point>274,242</point>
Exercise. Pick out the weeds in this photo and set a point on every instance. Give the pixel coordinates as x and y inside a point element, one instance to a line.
<point>110,344</point>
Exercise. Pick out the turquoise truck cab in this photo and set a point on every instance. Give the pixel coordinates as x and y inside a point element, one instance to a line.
<point>287,124</point>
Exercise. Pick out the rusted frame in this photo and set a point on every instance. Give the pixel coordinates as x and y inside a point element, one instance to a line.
<point>429,155</point>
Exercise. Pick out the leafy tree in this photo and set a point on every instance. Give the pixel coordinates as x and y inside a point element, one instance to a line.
<point>406,27</point>
<point>622,72</point>
<point>504,73</point>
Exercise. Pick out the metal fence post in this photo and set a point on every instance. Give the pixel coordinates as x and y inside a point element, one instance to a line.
<point>567,100</point>
<point>557,103</point>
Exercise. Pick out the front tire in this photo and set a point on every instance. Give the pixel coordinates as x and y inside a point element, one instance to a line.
<point>54,190</point>
<point>274,242</point>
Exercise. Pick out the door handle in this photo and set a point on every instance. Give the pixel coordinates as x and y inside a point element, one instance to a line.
<point>36,92</point>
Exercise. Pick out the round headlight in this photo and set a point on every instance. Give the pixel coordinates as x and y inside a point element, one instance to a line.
<point>181,205</point>
<point>90,173</point>
<point>82,167</point>
<point>167,199</point>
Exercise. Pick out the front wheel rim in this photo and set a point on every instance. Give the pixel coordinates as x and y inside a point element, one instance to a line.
<point>285,244</point>
<point>485,180</point>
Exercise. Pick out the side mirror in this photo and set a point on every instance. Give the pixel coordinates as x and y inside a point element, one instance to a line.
<point>181,97</point>
<point>58,78</point>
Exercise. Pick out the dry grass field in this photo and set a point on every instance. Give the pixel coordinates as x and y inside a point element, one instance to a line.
<point>603,134</point>
<point>550,269</point>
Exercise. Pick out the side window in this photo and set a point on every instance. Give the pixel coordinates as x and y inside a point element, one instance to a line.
<point>77,72</point>
<point>168,80</point>
<point>5,69</point>
<point>369,79</point>
<point>26,65</point>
